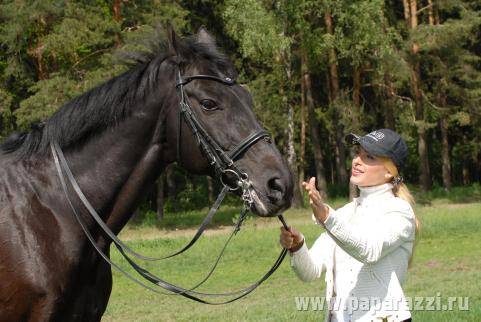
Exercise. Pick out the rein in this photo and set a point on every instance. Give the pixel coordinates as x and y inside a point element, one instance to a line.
<point>223,163</point>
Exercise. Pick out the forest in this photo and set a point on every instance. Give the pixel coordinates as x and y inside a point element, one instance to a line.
<point>317,71</point>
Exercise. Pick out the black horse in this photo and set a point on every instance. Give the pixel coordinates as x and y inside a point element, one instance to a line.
<point>117,139</point>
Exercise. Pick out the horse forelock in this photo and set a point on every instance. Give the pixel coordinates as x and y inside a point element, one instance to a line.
<point>109,103</point>
<point>211,55</point>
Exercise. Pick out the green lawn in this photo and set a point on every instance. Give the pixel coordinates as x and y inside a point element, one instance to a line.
<point>447,263</point>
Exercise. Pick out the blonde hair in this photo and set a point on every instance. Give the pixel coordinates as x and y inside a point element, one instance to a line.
<point>401,190</point>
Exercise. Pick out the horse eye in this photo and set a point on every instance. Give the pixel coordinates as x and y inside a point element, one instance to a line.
<point>209,105</point>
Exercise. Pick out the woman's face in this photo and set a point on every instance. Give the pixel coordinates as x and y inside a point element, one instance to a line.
<point>368,170</point>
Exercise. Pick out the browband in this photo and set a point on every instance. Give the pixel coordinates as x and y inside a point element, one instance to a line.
<point>185,80</point>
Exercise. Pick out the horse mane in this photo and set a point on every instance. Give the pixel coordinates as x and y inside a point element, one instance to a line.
<point>107,104</point>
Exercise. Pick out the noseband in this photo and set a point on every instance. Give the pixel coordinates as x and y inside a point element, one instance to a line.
<point>223,163</point>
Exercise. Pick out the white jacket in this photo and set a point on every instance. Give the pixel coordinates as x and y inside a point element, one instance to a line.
<point>365,252</point>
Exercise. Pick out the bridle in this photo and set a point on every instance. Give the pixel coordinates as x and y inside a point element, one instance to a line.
<point>220,159</point>
<point>224,166</point>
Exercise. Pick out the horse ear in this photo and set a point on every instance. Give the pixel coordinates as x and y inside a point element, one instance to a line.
<point>204,37</point>
<point>174,42</point>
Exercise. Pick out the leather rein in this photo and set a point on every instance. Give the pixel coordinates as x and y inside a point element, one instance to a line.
<point>223,163</point>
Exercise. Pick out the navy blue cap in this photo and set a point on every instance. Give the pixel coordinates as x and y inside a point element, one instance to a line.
<point>382,143</point>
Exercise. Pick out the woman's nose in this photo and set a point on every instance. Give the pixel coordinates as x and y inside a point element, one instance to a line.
<point>356,159</point>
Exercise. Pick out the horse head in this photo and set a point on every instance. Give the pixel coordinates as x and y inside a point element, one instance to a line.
<point>222,107</point>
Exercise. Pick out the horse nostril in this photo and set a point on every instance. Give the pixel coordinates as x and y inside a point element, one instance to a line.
<point>276,189</point>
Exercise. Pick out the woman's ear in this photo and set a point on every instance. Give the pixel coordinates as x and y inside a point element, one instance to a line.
<point>388,175</point>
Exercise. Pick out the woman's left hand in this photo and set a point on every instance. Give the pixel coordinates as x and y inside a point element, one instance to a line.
<point>321,211</point>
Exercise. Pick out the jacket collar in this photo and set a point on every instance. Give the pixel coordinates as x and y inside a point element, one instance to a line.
<point>369,194</point>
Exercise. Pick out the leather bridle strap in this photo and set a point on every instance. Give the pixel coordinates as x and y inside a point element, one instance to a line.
<point>240,148</point>
<point>146,274</point>
<point>189,294</point>
<point>216,155</point>
<point>222,160</point>
<point>187,79</point>
<point>56,151</point>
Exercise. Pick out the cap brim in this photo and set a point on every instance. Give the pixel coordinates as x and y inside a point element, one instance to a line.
<point>352,138</point>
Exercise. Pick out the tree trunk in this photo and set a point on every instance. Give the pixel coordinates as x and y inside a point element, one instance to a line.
<point>291,157</point>
<point>302,150</point>
<point>160,197</point>
<point>446,165</point>
<point>117,14</point>
<point>465,172</point>
<point>291,151</point>
<point>37,52</point>
<point>478,167</point>
<point>389,108</point>
<point>424,171</point>
<point>136,217</point>
<point>313,130</point>
<point>465,163</point>
<point>210,190</point>
<point>388,94</point>
<point>430,12</point>
<point>356,95</point>
<point>407,14</point>
<point>356,98</point>
<point>338,126</point>
<point>443,120</point>
<point>170,181</point>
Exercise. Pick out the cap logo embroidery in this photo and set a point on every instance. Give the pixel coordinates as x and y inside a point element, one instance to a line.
<point>375,135</point>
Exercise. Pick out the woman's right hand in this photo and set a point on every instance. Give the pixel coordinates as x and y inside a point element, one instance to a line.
<point>291,239</point>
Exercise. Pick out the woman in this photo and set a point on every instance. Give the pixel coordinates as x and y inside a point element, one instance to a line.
<point>368,243</point>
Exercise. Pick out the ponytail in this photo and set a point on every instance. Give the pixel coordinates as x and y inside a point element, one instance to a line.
<point>401,190</point>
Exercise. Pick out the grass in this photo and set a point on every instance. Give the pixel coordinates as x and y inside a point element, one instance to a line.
<point>226,215</point>
<point>447,263</point>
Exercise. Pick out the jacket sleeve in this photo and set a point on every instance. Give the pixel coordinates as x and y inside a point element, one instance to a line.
<point>309,263</point>
<point>369,245</point>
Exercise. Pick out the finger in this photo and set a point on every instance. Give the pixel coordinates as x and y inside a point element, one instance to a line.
<point>286,236</point>
<point>287,243</point>
<point>312,182</point>
<point>310,189</point>
<point>316,207</point>
<point>314,196</point>
<point>293,232</point>
<point>285,231</point>
<point>316,204</point>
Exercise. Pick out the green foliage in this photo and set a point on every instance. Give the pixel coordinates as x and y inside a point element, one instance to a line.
<point>65,48</point>
<point>462,194</point>
<point>49,94</point>
<point>51,51</point>
<point>260,34</point>
<point>5,103</point>
<point>359,33</point>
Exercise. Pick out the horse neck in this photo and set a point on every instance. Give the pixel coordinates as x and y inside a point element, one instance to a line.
<point>115,167</point>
